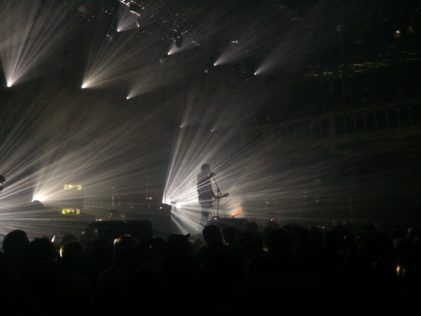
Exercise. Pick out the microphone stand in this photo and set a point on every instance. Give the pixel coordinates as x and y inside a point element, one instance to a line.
<point>219,194</point>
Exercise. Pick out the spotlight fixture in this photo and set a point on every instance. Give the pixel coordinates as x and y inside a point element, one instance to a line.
<point>136,8</point>
<point>37,198</point>
<point>110,36</point>
<point>125,2</point>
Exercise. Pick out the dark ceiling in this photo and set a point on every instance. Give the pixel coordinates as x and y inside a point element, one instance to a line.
<point>327,54</point>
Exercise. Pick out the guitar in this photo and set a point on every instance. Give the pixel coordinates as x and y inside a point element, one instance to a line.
<point>221,196</point>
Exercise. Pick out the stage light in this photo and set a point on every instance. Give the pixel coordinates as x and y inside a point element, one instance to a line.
<point>162,60</point>
<point>237,211</point>
<point>87,84</point>
<point>72,187</point>
<point>400,271</point>
<point>255,73</point>
<point>118,30</point>
<point>38,197</point>
<point>128,98</point>
<point>9,84</point>
<point>125,2</point>
<point>135,8</point>
<point>109,37</point>
<point>70,211</point>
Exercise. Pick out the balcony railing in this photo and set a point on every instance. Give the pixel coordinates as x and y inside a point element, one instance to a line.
<point>397,116</point>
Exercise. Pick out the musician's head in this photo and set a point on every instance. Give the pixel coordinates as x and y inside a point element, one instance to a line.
<point>205,167</point>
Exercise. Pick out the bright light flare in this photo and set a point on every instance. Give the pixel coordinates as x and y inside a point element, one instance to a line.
<point>78,151</point>
<point>237,212</point>
<point>238,49</point>
<point>263,68</point>
<point>126,20</point>
<point>196,145</point>
<point>87,84</point>
<point>179,205</point>
<point>38,197</point>
<point>116,62</point>
<point>156,76</point>
<point>187,44</point>
<point>30,32</point>
<point>261,177</point>
<point>131,94</point>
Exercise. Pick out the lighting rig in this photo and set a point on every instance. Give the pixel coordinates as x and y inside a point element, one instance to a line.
<point>164,22</point>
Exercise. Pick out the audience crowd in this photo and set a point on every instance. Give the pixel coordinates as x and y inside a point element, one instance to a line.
<point>230,269</point>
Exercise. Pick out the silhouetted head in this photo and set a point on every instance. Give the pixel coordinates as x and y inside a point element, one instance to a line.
<point>42,250</point>
<point>125,249</point>
<point>71,252</point>
<point>179,243</point>
<point>205,167</point>
<point>15,243</point>
<point>277,241</point>
<point>212,235</point>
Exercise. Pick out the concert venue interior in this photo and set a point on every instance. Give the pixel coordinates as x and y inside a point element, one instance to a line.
<point>308,113</point>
